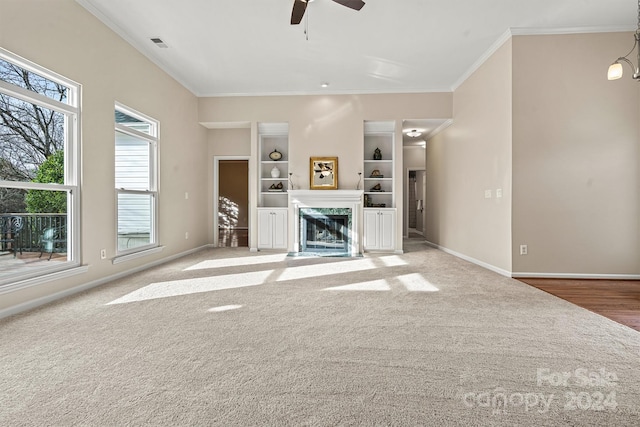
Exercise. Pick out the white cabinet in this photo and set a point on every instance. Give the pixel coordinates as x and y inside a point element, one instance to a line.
<point>272,228</point>
<point>379,229</point>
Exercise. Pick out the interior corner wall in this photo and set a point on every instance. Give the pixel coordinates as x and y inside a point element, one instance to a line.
<point>468,163</point>
<point>330,125</point>
<point>575,157</point>
<point>64,37</point>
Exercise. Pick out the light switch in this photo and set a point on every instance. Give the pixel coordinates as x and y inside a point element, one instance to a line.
<point>487,194</point>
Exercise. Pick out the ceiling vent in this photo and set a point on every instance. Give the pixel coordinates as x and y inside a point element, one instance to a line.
<point>158,42</point>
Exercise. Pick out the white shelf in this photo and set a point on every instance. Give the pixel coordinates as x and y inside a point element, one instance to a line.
<point>379,135</point>
<point>273,136</point>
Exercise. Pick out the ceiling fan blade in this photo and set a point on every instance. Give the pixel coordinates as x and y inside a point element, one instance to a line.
<point>299,6</point>
<point>351,4</point>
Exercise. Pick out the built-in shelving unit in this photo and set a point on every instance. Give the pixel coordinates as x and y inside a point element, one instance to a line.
<point>379,221</point>
<point>273,190</point>
<point>378,173</point>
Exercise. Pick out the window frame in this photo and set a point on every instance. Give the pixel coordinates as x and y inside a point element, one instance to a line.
<point>72,166</point>
<point>153,188</point>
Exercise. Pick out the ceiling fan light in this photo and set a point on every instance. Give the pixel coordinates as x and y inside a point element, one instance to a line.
<point>414,133</point>
<point>615,71</point>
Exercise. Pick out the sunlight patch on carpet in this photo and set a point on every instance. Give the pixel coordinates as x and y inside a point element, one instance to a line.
<point>416,283</point>
<point>224,308</point>
<point>374,285</point>
<point>175,288</point>
<point>238,261</point>
<point>193,286</point>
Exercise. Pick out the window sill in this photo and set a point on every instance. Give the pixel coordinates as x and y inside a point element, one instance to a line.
<point>58,275</point>
<point>129,257</point>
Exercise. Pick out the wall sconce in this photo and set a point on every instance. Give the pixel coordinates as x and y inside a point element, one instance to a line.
<point>615,69</point>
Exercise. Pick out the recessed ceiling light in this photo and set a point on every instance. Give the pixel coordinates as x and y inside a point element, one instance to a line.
<point>414,133</point>
<point>324,84</point>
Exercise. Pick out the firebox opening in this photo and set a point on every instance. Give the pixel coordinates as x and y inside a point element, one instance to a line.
<point>325,232</point>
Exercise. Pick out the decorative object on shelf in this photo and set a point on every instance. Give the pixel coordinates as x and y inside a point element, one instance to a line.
<point>323,173</point>
<point>376,187</point>
<point>367,203</point>
<point>377,154</point>
<point>290,181</point>
<point>275,172</point>
<point>376,174</point>
<point>615,69</point>
<point>359,180</point>
<point>277,187</point>
<point>275,155</point>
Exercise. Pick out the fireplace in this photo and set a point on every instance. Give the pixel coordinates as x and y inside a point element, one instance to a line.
<point>325,231</point>
<point>326,222</point>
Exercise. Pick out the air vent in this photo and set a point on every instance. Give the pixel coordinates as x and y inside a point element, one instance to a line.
<point>158,41</point>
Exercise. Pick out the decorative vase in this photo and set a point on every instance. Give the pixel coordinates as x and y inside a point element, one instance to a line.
<point>377,154</point>
<point>275,172</point>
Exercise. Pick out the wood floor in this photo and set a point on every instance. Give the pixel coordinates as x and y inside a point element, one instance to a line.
<point>619,300</point>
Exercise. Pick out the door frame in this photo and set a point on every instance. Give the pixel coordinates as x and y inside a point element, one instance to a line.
<point>405,224</point>
<point>216,192</point>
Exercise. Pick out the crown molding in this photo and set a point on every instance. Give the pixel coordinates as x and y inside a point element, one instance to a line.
<point>541,31</point>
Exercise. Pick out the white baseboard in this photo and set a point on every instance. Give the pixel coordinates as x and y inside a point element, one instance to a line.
<point>29,305</point>
<point>517,275</point>
<point>483,264</point>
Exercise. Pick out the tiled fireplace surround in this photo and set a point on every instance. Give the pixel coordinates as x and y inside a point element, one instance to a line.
<point>307,200</point>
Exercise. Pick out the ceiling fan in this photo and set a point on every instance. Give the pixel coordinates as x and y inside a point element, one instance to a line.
<point>299,6</point>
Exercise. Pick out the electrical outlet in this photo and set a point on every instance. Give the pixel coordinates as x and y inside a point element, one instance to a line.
<point>499,193</point>
<point>524,250</point>
<point>103,254</point>
<point>186,195</point>
<point>186,235</point>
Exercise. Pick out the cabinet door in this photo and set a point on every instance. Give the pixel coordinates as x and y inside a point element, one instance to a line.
<point>279,227</point>
<point>265,229</point>
<point>371,229</point>
<point>387,225</point>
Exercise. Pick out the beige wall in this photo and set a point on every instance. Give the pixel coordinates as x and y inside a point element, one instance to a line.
<point>330,125</point>
<point>63,37</point>
<point>575,156</point>
<point>471,156</point>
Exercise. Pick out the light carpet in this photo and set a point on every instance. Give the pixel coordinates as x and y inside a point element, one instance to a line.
<point>227,337</point>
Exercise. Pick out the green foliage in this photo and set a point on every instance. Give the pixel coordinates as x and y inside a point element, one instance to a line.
<point>51,171</point>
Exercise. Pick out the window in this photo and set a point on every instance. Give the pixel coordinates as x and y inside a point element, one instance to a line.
<point>136,154</point>
<point>39,197</point>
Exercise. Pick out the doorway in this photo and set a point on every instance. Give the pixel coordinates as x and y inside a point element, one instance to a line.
<point>416,186</point>
<point>233,203</point>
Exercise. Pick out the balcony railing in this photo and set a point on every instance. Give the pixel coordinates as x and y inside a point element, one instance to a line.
<point>30,238</point>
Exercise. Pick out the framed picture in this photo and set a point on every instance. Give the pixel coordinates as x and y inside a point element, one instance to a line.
<point>323,173</point>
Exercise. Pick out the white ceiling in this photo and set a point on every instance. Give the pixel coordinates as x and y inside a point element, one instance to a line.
<point>234,47</point>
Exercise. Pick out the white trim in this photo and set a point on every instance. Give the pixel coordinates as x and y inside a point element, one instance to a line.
<point>29,96</point>
<point>44,278</point>
<point>576,276</point>
<point>482,59</point>
<point>439,129</point>
<point>135,255</point>
<point>29,305</point>
<point>540,31</point>
<point>216,192</point>
<point>483,264</point>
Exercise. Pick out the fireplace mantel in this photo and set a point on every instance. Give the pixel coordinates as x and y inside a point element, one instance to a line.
<point>325,198</point>
<point>351,199</point>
